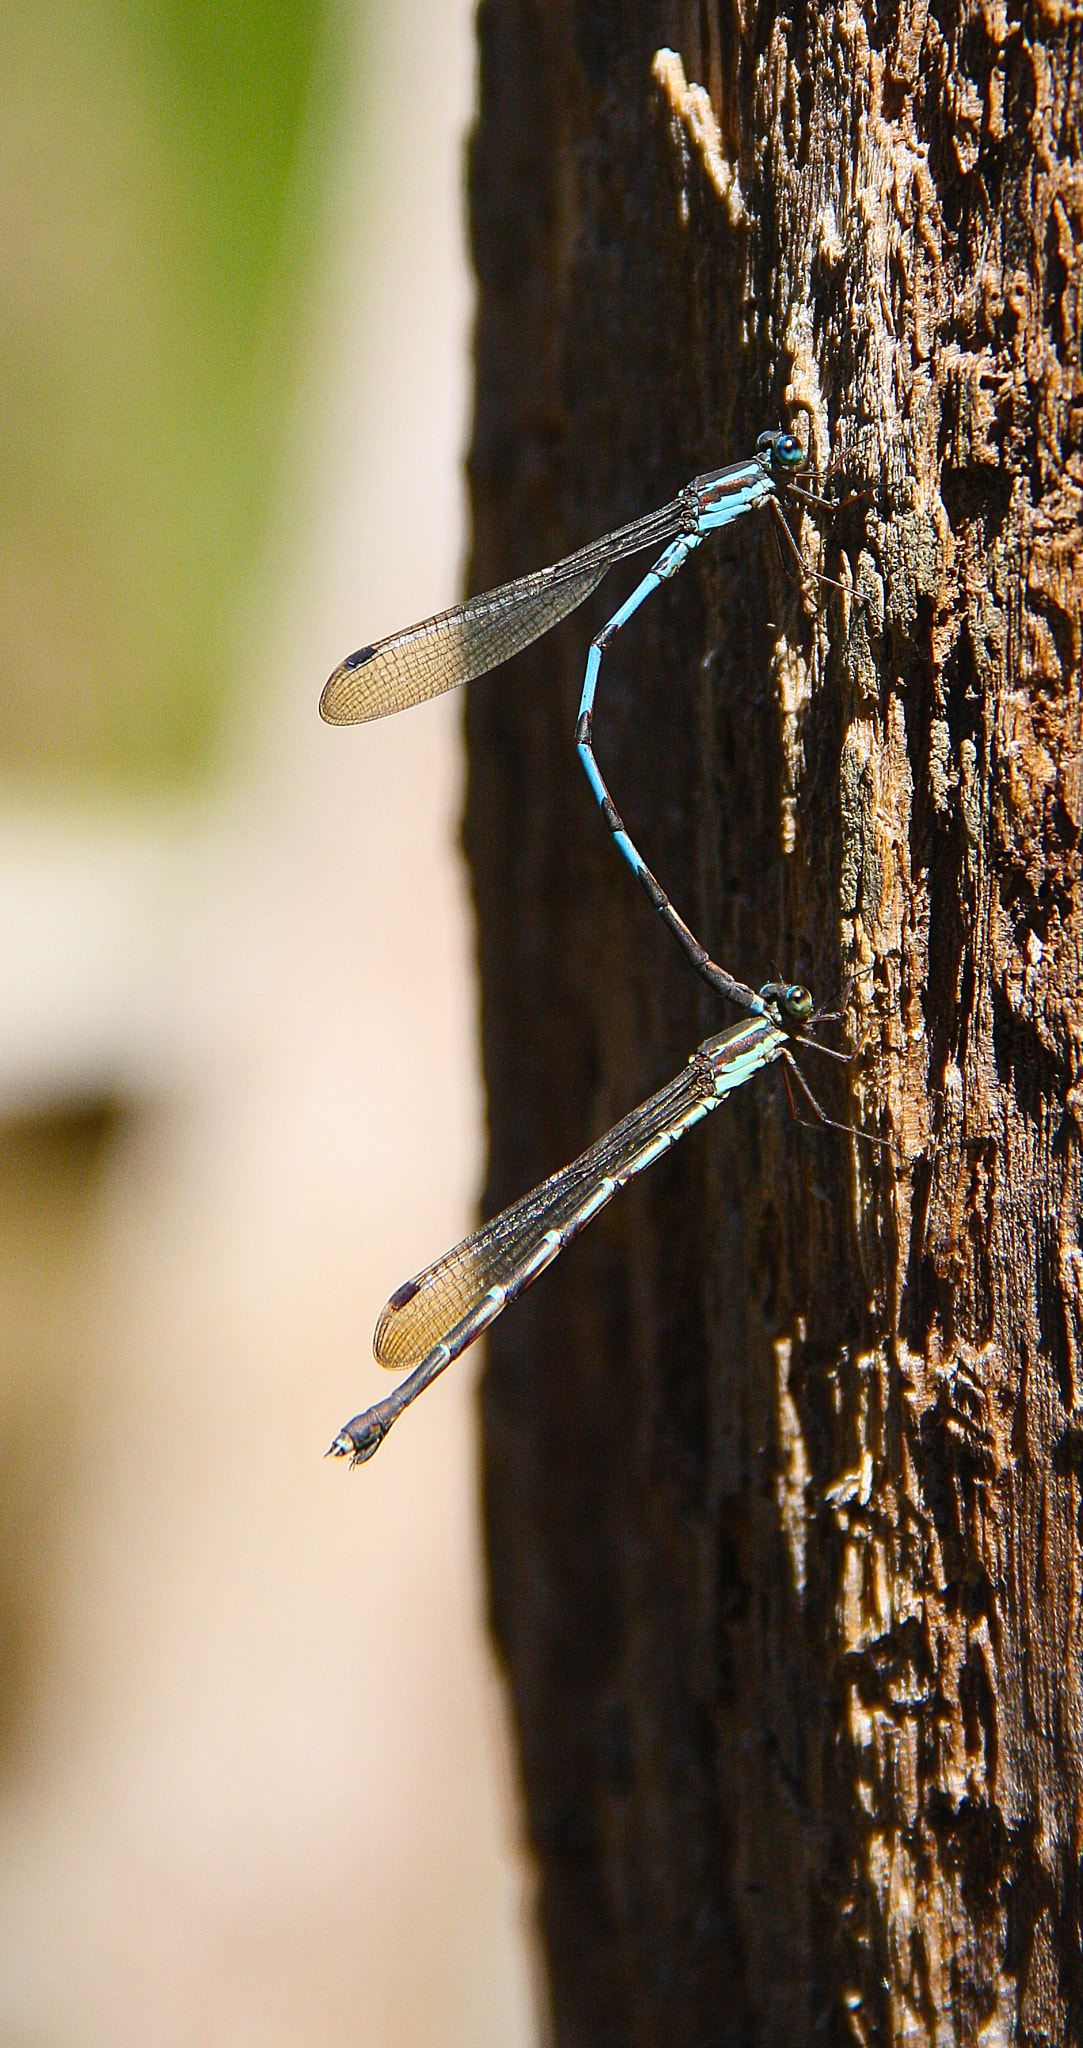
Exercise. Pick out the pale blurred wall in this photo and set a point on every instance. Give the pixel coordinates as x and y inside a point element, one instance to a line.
<point>256,1781</point>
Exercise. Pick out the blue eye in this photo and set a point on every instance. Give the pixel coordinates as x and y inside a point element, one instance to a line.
<point>782,448</point>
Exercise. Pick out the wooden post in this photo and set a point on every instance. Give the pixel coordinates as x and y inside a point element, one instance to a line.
<point>783,1464</point>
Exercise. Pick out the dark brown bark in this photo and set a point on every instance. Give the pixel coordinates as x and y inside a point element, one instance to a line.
<point>783,1464</point>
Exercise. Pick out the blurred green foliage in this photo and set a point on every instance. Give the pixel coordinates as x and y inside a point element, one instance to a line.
<point>161,203</point>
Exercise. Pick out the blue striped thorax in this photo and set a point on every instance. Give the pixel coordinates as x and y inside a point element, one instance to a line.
<point>722,495</point>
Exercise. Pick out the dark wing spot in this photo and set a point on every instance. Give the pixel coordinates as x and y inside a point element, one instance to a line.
<point>359,659</point>
<point>404,1294</point>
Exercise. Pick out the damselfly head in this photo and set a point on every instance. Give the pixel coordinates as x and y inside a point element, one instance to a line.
<point>786,453</point>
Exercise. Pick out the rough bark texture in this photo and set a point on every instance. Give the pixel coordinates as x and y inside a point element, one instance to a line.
<point>783,1465</point>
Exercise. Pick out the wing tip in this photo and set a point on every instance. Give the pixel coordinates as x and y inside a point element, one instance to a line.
<point>337,705</point>
<point>389,1335</point>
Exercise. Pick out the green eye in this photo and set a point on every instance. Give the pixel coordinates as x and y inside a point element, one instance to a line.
<point>790,1001</point>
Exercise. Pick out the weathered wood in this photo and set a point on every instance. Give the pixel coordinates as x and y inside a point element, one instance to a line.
<point>783,1469</point>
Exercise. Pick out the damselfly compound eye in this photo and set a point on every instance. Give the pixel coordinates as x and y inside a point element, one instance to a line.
<point>797,1002</point>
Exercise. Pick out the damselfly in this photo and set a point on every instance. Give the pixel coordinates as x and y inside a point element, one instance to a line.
<point>428,1322</point>
<point>471,638</point>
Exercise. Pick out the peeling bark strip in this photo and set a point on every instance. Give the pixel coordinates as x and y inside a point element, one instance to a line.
<point>784,1472</point>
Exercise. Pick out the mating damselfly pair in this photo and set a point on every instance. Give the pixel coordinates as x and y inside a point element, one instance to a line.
<point>427,1323</point>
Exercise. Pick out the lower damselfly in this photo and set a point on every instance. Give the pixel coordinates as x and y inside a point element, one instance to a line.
<point>457,645</point>
<point>430,1320</point>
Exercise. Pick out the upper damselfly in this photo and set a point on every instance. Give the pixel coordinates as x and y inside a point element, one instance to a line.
<point>473,637</point>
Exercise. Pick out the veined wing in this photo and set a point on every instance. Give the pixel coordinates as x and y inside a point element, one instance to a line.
<point>505,1255</point>
<point>471,638</point>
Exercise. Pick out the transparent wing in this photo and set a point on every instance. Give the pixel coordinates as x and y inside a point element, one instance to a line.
<point>471,638</point>
<point>519,1243</point>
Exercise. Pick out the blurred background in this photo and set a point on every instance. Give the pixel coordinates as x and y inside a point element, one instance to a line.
<point>257,1785</point>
